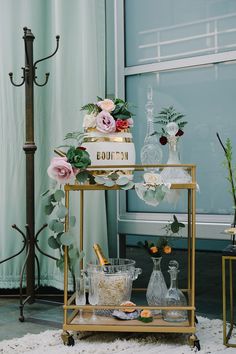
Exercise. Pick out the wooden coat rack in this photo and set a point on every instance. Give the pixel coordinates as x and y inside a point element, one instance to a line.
<point>30,238</point>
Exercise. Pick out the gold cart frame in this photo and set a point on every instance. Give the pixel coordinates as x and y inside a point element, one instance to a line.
<point>227,334</point>
<point>71,320</point>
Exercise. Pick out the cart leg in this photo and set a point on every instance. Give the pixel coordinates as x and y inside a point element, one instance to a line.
<point>67,338</point>
<point>194,342</point>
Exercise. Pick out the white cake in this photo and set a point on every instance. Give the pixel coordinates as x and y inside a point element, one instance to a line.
<point>110,149</point>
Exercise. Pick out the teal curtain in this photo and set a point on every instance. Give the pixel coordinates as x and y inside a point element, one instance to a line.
<point>77,76</point>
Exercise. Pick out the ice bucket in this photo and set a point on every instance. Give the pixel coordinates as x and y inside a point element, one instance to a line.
<point>113,283</point>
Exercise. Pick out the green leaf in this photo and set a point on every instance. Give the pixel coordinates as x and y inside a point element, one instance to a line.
<point>60,263</point>
<point>175,227</point>
<point>67,238</point>
<point>91,179</point>
<point>181,224</point>
<point>114,176</point>
<point>48,209</point>
<point>78,136</point>
<point>52,242</point>
<point>58,238</point>
<point>62,211</point>
<point>45,193</point>
<point>52,223</point>
<point>100,180</point>
<point>73,253</point>
<point>59,195</point>
<point>72,221</point>
<point>127,186</point>
<point>51,199</point>
<point>82,176</point>
<point>58,227</point>
<point>81,255</point>
<point>109,183</point>
<point>122,181</point>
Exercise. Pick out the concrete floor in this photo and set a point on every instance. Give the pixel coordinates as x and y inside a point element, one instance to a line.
<point>42,316</point>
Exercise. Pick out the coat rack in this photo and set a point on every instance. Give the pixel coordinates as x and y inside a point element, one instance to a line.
<point>30,238</point>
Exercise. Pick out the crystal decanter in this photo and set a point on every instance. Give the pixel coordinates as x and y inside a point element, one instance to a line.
<point>157,289</point>
<point>174,297</point>
<point>151,152</point>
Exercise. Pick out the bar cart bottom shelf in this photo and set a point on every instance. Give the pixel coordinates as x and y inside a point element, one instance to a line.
<point>109,324</point>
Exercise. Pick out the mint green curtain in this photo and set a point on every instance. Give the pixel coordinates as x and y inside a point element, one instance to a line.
<point>77,76</point>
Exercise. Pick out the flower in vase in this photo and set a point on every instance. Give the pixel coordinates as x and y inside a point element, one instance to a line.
<point>167,249</point>
<point>172,124</point>
<point>163,140</point>
<point>154,250</point>
<point>179,133</point>
<point>162,245</point>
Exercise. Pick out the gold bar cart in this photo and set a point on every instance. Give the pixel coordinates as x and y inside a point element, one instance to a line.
<point>108,324</point>
<point>228,260</point>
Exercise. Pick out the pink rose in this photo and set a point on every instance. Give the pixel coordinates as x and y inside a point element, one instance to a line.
<point>60,170</point>
<point>106,105</point>
<point>130,122</point>
<point>105,122</point>
<point>121,125</point>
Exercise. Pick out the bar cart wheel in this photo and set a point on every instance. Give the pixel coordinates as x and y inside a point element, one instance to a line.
<point>67,339</point>
<point>194,342</point>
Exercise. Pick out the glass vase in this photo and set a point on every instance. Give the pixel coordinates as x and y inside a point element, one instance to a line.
<point>174,297</point>
<point>174,174</point>
<point>157,289</point>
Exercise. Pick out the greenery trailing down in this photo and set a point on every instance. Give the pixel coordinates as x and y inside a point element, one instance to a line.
<point>59,239</point>
<point>115,179</point>
<point>228,163</point>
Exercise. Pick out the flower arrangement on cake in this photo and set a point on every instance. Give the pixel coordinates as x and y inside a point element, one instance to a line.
<point>107,116</point>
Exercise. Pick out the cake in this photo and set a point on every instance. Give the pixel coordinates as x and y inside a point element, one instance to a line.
<point>107,136</point>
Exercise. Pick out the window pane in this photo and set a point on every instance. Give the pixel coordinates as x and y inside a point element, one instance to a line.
<point>207,96</point>
<point>160,30</point>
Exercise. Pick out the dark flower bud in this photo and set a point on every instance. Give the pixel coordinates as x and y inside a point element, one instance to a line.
<point>179,133</point>
<point>81,148</point>
<point>163,140</point>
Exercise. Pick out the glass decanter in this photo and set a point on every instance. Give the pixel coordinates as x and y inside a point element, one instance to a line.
<point>157,289</point>
<point>151,152</point>
<point>174,297</point>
